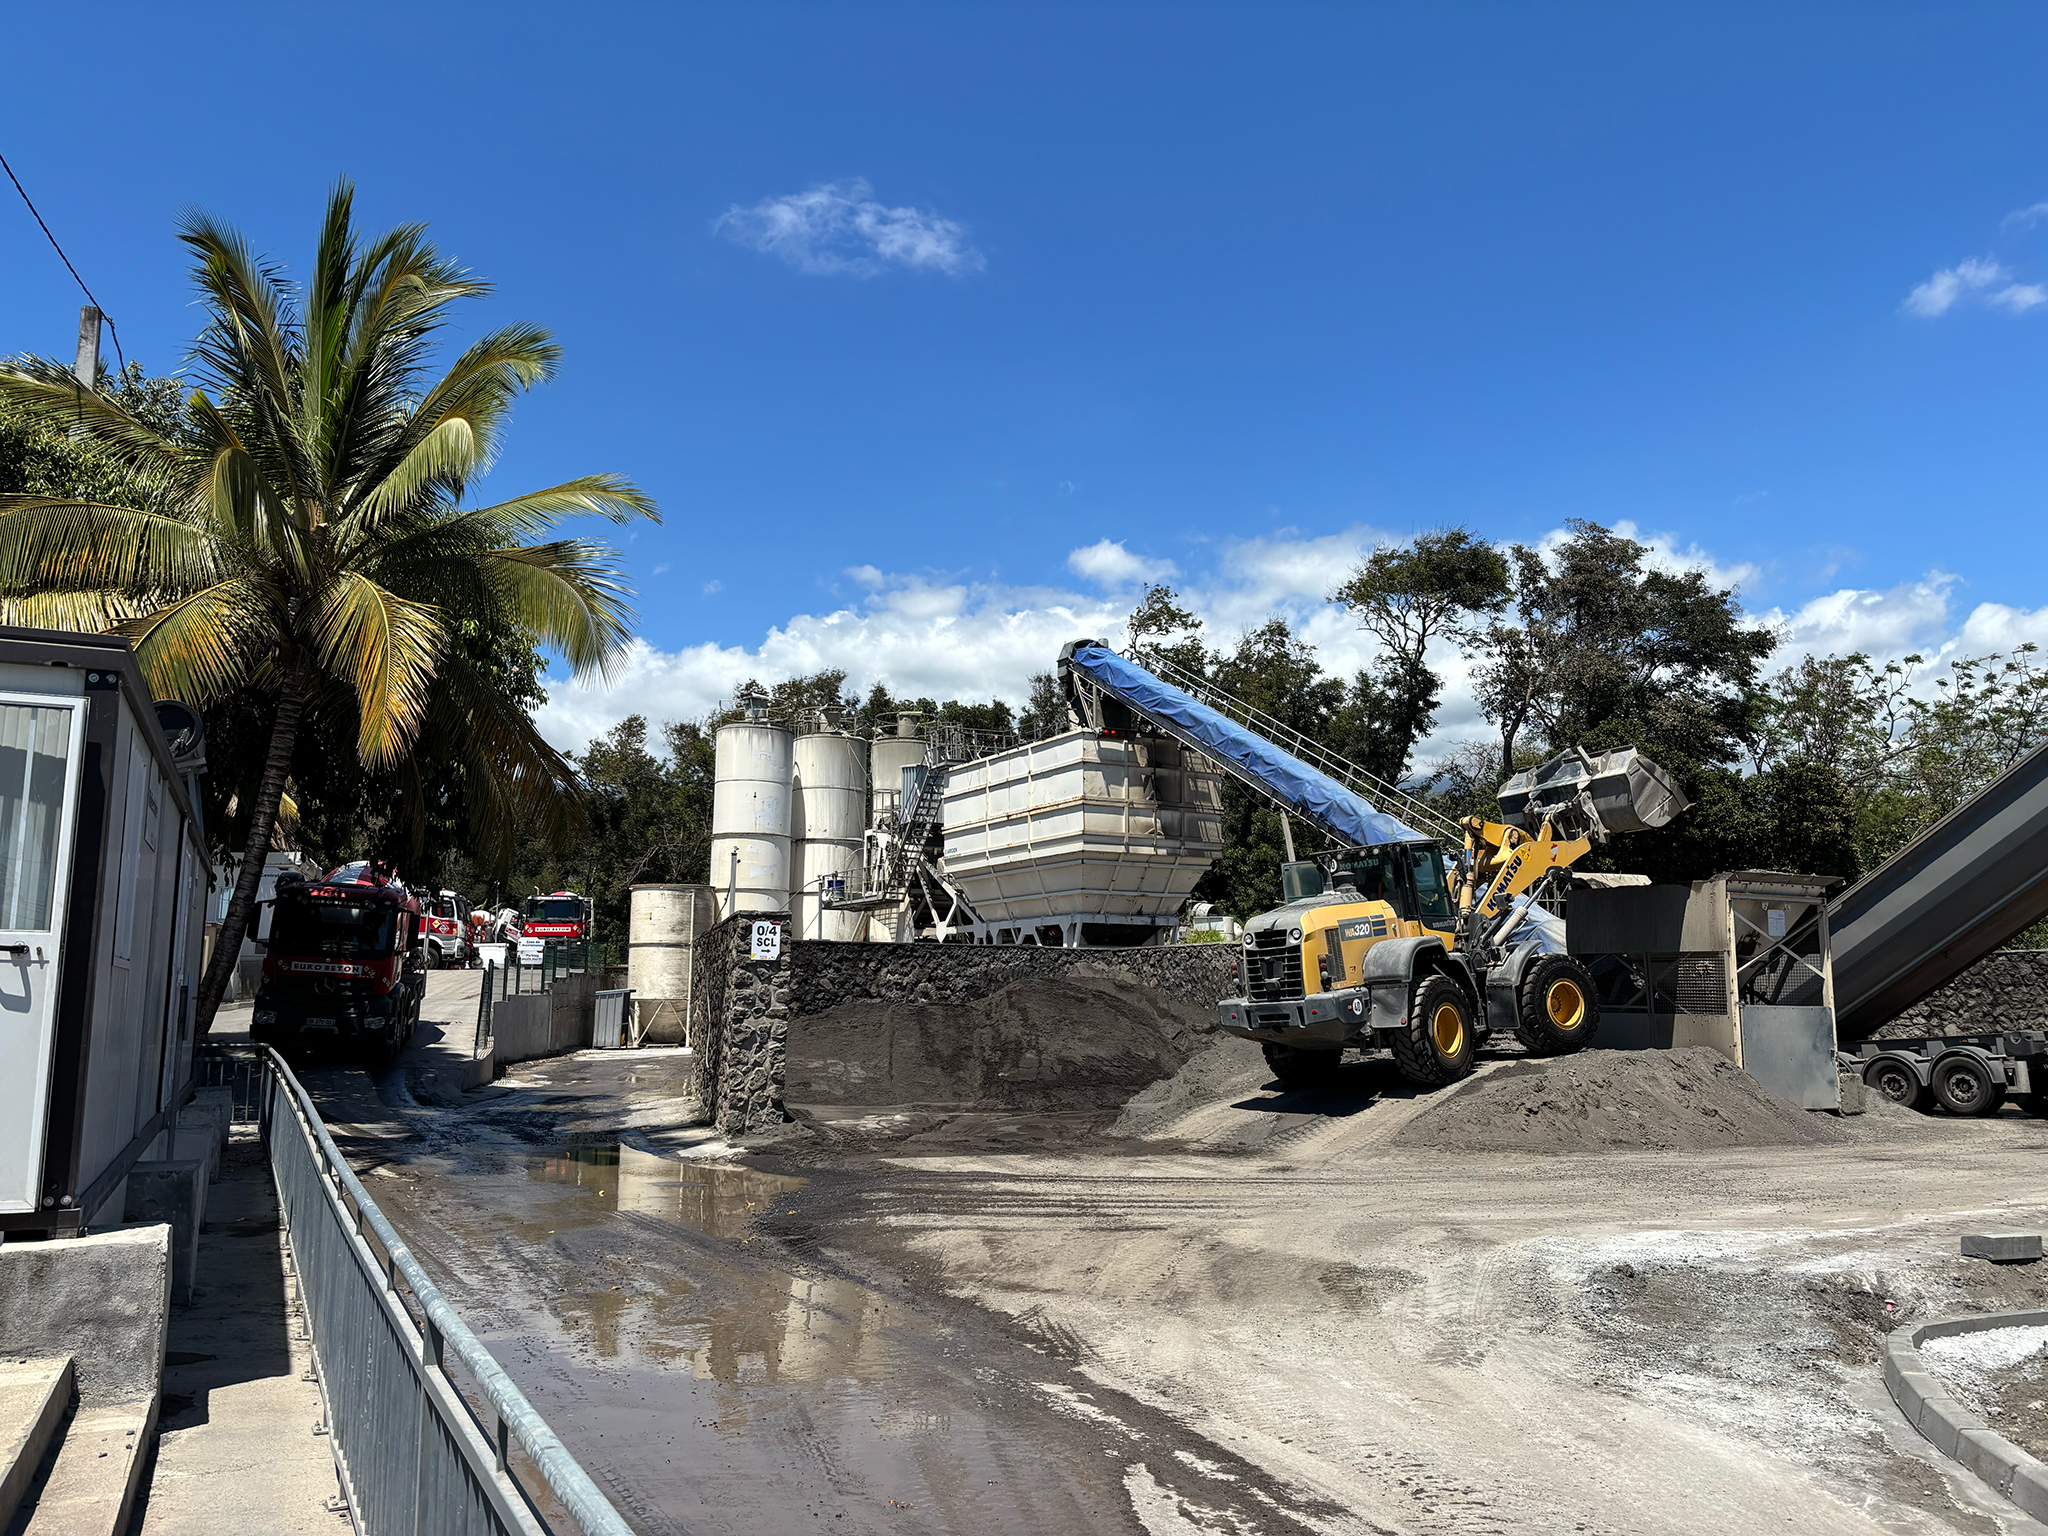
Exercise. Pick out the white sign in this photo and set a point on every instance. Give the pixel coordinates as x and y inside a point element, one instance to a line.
<point>532,951</point>
<point>1774,921</point>
<point>767,941</point>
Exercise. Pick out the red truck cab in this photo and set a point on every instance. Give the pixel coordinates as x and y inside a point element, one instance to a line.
<point>344,963</point>
<point>560,917</point>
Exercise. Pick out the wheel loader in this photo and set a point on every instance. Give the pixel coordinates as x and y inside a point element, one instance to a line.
<point>1428,948</point>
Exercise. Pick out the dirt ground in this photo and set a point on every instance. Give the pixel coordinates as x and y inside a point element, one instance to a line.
<point>1218,1307</point>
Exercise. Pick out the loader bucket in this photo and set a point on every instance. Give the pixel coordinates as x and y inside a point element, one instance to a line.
<point>1620,791</point>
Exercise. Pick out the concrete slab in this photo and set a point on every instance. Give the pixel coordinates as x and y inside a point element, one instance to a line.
<point>91,1489</point>
<point>2003,1248</point>
<point>103,1299</point>
<point>173,1193</point>
<point>34,1397</point>
<point>236,1449</point>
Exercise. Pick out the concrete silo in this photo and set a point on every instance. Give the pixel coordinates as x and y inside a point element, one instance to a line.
<point>750,813</point>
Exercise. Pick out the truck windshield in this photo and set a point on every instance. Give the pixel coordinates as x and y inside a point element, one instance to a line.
<point>332,928</point>
<point>555,909</point>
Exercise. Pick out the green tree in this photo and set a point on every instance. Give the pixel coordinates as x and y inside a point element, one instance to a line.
<point>309,544</point>
<point>1437,587</point>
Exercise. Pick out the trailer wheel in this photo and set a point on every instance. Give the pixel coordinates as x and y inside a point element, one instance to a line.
<point>1897,1082</point>
<point>1435,1046</point>
<point>1558,1010</point>
<point>1965,1086</point>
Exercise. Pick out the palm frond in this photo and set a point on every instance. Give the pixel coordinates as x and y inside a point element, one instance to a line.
<point>75,545</point>
<point>386,649</point>
<point>45,392</point>
<point>199,648</point>
<point>83,613</point>
<point>569,597</point>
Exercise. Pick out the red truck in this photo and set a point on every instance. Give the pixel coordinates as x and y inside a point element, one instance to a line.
<point>560,917</point>
<point>344,963</point>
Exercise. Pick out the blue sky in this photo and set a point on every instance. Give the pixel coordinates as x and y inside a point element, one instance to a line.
<point>934,329</point>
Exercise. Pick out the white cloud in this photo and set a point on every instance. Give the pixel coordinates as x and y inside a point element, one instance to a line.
<point>839,228</point>
<point>2025,218</point>
<point>711,588</point>
<point>2020,297</point>
<point>1108,564</point>
<point>1940,292</point>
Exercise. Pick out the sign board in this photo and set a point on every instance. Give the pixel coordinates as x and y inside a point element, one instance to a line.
<point>767,941</point>
<point>532,951</point>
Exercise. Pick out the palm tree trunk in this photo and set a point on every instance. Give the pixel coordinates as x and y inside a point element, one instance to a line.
<point>227,945</point>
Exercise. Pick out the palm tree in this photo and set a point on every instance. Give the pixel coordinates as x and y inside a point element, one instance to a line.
<point>308,545</point>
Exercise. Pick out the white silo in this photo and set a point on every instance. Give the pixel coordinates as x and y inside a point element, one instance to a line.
<point>890,755</point>
<point>750,814</point>
<point>828,812</point>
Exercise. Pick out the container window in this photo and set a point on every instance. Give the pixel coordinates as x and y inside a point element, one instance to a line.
<point>35,751</point>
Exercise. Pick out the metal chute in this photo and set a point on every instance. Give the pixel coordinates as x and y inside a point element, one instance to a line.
<point>1586,796</point>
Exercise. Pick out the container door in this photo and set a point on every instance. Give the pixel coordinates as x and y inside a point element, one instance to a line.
<point>39,755</point>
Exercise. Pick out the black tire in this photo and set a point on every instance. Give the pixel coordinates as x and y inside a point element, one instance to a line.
<point>1297,1067</point>
<point>1965,1086</point>
<point>1898,1082</point>
<point>1557,1008</point>
<point>1436,1045</point>
<point>433,957</point>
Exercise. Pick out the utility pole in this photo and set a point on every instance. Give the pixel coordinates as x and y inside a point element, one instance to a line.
<point>87,368</point>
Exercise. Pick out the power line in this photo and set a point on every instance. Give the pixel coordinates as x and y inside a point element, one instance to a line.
<point>109,319</point>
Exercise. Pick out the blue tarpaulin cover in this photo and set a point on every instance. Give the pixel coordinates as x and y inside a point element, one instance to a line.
<point>1311,793</point>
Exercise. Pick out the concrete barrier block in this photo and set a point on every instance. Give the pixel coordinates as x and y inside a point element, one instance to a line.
<point>1988,1454</point>
<point>221,1100</point>
<point>1942,1422</point>
<point>2003,1247</point>
<point>104,1300</point>
<point>196,1137</point>
<point>173,1193</point>
<point>2029,1488</point>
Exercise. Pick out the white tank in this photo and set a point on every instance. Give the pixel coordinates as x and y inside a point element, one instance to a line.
<point>889,756</point>
<point>828,812</point>
<point>664,923</point>
<point>750,817</point>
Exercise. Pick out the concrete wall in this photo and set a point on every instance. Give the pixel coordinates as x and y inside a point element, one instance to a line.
<point>2007,989</point>
<point>742,1006</point>
<point>550,1023</point>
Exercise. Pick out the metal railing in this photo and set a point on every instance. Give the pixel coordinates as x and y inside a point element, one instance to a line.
<point>413,1455</point>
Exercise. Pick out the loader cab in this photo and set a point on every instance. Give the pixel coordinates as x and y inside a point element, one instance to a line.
<point>1409,877</point>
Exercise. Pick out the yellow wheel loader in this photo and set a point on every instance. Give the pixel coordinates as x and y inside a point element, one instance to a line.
<point>1428,948</point>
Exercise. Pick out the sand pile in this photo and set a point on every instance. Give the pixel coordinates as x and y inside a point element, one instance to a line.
<point>1682,1101</point>
<point>1225,1069</point>
<point>1040,1044</point>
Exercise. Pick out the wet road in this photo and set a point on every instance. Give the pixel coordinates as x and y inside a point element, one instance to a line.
<point>715,1370</point>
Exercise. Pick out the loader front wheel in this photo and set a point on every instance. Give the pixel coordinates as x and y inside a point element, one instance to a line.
<point>1436,1045</point>
<point>1300,1068</point>
<point>1557,1011</point>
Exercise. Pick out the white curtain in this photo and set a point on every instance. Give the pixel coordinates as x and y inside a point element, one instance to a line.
<point>35,742</point>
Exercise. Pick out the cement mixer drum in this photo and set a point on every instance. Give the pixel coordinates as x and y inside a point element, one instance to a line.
<point>1580,794</point>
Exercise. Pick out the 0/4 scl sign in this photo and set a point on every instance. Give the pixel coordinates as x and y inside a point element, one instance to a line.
<point>767,941</point>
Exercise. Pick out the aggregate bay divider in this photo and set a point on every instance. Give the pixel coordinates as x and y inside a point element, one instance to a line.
<point>1951,1428</point>
<point>739,1016</point>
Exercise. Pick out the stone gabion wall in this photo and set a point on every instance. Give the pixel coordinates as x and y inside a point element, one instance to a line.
<point>2005,990</point>
<point>740,1021</point>
<point>830,974</point>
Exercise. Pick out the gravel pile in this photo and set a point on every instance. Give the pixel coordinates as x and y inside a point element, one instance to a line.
<point>1041,1043</point>
<point>1683,1101</point>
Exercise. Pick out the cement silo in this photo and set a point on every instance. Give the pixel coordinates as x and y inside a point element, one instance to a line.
<point>665,922</point>
<point>828,813</point>
<point>750,814</point>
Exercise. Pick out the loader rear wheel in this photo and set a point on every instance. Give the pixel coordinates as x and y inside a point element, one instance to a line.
<point>1435,1046</point>
<point>1557,1010</point>
<point>1300,1068</point>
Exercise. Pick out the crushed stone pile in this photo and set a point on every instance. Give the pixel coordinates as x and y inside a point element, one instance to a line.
<point>1226,1068</point>
<point>1685,1100</point>
<point>1040,1044</point>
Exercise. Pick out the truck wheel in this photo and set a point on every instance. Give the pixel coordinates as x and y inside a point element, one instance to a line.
<point>1300,1068</point>
<point>1897,1082</point>
<point>1435,1046</point>
<point>1965,1086</point>
<point>1558,1010</point>
<point>433,957</point>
